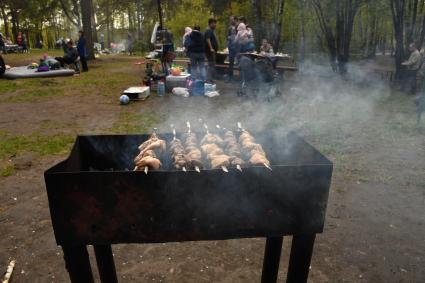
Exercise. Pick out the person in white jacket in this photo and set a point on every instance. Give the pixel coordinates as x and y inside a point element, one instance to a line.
<point>245,39</point>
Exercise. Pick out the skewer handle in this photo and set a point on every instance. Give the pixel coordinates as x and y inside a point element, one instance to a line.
<point>197,169</point>
<point>268,167</point>
<point>238,167</point>
<point>146,170</point>
<point>224,168</point>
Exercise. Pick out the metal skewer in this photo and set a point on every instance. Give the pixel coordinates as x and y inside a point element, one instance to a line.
<point>189,130</point>
<point>174,138</point>
<point>224,168</point>
<point>242,129</point>
<point>146,170</point>
<point>238,167</point>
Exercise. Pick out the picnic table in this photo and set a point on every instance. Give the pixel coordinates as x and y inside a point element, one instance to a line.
<point>223,65</point>
<point>11,48</point>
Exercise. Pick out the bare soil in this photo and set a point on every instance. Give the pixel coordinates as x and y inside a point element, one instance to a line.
<point>375,227</point>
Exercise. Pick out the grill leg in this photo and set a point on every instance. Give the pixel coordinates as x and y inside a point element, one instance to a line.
<point>78,264</point>
<point>271,260</point>
<point>105,263</point>
<point>299,262</point>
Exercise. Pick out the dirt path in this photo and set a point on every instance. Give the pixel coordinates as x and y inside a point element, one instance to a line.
<point>375,228</point>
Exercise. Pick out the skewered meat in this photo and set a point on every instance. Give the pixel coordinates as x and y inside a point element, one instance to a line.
<point>212,148</point>
<point>258,159</point>
<point>151,162</point>
<point>254,151</point>
<point>153,138</point>
<point>193,155</point>
<point>212,139</point>
<point>219,161</point>
<point>177,151</point>
<point>233,149</point>
<point>147,157</point>
<point>160,145</point>
<point>144,154</point>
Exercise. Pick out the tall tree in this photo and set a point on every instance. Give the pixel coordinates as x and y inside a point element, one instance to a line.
<point>338,38</point>
<point>86,11</point>
<point>278,24</point>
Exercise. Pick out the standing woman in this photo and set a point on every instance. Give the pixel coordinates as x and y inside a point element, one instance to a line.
<point>82,51</point>
<point>196,51</point>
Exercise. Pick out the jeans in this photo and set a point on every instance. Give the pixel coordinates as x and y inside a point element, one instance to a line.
<point>232,57</point>
<point>83,61</point>
<point>197,65</point>
<point>410,81</point>
<point>211,57</point>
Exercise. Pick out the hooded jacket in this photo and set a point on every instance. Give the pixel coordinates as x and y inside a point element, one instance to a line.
<point>197,42</point>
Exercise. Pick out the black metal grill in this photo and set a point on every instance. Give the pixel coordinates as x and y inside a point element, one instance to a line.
<point>94,200</point>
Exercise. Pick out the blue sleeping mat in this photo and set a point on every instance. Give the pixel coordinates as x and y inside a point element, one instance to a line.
<point>25,73</point>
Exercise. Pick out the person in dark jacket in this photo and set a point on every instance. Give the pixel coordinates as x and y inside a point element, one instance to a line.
<point>82,50</point>
<point>2,67</point>
<point>196,50</point>
<point>71,55</point>
<point>211,48</point>
<point>2,44</point>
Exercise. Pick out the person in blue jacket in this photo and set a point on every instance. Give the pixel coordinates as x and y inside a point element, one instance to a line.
<point>82,50</point>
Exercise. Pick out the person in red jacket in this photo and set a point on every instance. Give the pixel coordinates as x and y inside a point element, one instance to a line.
<point>20,39</point>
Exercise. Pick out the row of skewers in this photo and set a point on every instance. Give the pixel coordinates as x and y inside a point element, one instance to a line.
<point>187,153</point>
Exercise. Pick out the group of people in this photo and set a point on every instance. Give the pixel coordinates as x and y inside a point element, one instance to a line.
<point>198,46</point>
<point>21,42</point>
<point>72,53</point>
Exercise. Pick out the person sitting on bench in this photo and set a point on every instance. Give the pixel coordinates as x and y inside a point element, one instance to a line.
<point>71,55</point>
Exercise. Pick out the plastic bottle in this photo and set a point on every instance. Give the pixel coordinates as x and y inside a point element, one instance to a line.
<point>161,89</point>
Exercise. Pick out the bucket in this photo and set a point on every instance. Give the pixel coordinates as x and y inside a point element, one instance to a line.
<point>198,88</point>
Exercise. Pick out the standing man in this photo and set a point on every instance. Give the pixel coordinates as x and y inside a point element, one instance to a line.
<point>2,67</point>
<point>82,51</point>
<point>130,44</point>
<point>196,51</point>
<point>231,44</point>
<point>2,44</point>
<point>211,48</point>
<point>102,41</point>
<point>413,65</point>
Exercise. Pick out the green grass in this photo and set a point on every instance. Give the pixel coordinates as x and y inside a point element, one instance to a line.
<point>107,76</point>
<point>43,145</point>
<point>135,123</point>
<point>7,171</point>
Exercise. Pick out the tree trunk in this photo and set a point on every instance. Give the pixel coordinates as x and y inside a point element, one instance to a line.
<point>108,22</point>
<point>86,9</point>
<point>397,11</point>
<point>278,24</point>
<point>258,21</point>
<point>94,23</point>
<point>302,41</point>
<point>139,20</point>
<point>5,21</point>
<point>15,23</point>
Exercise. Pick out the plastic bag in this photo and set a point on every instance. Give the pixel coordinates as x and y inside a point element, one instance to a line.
<point>181,91</point>
<point>212,94</point>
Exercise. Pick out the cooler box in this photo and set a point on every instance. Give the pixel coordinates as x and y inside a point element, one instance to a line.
<point>138,93</point>
<point>176,81</point>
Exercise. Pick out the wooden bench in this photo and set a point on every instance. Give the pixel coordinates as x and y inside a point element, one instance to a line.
<point>225,66</point>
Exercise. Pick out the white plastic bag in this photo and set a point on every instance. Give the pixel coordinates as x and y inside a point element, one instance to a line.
<point>181,91</point>
<point>212,94</point>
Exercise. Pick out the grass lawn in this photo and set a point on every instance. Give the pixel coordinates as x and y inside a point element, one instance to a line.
<point>374,228</point>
